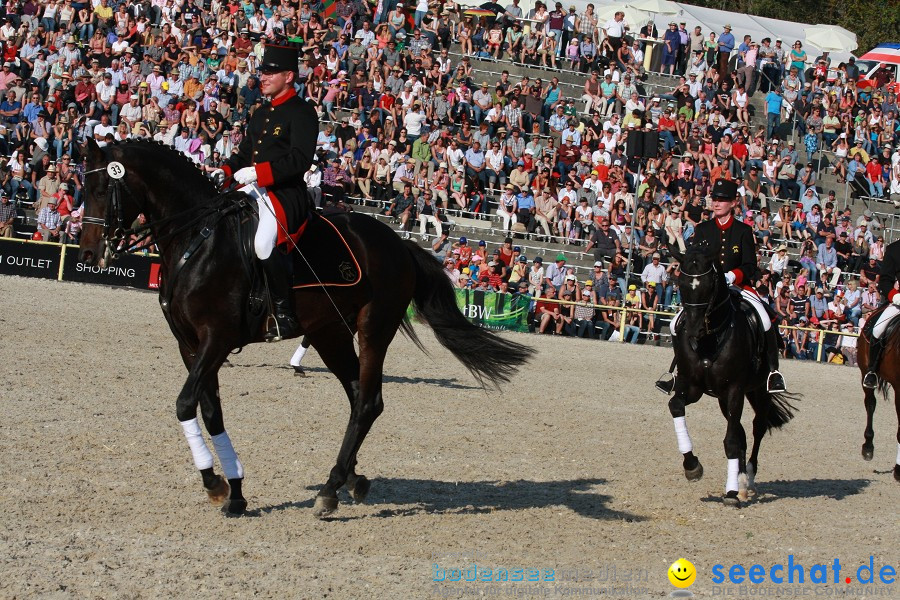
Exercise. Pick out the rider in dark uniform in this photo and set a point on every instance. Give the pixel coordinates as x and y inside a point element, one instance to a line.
<point>890,265</point>
<point>734,244</point>
<point>277,151</point>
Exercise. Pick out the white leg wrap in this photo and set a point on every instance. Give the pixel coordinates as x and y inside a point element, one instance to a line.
<point>731,482</point>
<point>760,309</point>
<point>883,320</point>
<point>674,321</point>
<point>684,438</point>
<point>898,453</point>
<point>231,466</point>
<point>298,356</point>
<point>203,459</point>
<point>267,233</point>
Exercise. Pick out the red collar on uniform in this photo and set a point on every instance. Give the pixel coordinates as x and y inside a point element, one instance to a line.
<point>290,93</point>
<point>727,224</point>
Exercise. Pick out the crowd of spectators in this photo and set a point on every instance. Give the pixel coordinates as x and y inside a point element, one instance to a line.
<point>409,123</point>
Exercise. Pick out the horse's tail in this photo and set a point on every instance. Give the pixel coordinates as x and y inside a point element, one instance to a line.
<point>485,355</point>
<point>780,410</point>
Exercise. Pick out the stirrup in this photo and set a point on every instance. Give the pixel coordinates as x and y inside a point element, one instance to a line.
<point>775,383</point>
<point>280,327</point>
<point>666,383</point>
<point>870,380</point>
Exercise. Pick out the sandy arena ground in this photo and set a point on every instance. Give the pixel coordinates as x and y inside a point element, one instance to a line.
<point>574,467</point>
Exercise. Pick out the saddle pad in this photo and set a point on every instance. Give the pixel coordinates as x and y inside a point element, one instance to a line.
<point>323,257</point>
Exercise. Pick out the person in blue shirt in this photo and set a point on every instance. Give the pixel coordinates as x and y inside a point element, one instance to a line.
<point>774,101</point>
<point>726,45</point>
<point>11,109</point>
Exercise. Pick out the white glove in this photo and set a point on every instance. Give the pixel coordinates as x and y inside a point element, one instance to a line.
<point>217,175</point>
<point>896,300</point>
<point>729,276</point>
<point>246,175</point>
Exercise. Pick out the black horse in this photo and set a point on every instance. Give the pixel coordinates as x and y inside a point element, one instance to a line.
<point>718,352</point>
<point>205,300</point>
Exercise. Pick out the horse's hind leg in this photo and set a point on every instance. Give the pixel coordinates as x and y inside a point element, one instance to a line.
<point>335,348</point>
<point>735,447</point>
<point>897,464</point>
<point>868,447</point>
<point>693,470</point>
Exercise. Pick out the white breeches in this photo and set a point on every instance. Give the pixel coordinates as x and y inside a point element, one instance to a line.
<point>423,224</point>
<point>889,313</point>
<point>754,301</point>
<point>267,233</point>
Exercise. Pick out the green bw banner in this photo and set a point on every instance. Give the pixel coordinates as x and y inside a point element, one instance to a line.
<point>494,311</point>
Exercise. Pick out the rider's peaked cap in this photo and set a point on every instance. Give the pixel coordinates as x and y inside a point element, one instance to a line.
<point>727,190</point>
<point>280,58</point>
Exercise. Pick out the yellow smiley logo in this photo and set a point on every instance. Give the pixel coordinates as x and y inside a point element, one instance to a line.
<point>682,573</point>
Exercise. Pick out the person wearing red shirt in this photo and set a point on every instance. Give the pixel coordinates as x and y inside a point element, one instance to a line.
<point>875,174</point>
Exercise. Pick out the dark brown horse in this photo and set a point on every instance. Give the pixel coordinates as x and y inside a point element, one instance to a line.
<point>888,377</point>
<point>205,300</point>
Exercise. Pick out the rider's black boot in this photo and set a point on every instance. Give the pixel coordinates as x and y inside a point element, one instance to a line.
<point>284,324</point>
<point>775,383</point>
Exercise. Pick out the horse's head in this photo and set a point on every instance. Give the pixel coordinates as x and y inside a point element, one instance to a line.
<point>105,211</point>
<point>700,277</point>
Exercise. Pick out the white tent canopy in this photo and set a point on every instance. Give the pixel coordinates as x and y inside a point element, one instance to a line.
<point>712,20</point>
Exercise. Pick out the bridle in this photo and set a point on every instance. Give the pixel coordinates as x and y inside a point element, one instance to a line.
<point>115,234</point>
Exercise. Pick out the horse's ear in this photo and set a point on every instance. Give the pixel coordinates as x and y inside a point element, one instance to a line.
<point>676,254</point>
<point>92,151</point>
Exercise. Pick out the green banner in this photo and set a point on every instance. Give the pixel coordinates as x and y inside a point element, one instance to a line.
<point>506,312</point>
<point>494,311</point>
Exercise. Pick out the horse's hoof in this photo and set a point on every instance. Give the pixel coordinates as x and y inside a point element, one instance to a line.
<point>299,372</point>
<point>695,474</point>
<point>731,499</point>
<point>219,492</point>
<point>360,489</point>
<point>234,507</point>
<point>897,472</point>
<point>868,452</point>
<point>324,506</point>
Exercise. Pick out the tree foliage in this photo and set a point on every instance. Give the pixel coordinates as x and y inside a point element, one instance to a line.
<point>873,21</point>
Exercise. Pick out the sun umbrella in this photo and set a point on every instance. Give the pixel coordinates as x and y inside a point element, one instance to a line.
<point>831,38</point>
<point>635,18</point>
<point>656,7</point>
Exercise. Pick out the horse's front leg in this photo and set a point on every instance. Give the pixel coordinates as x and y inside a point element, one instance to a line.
<point>201,388</point>
<point>732,404</point>
<point>211,409</point>
<point>693,470</point>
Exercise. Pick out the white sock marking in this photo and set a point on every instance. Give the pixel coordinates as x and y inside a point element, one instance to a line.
<point>203,459</point>
<point>681,433</point>
<point>231,466</point>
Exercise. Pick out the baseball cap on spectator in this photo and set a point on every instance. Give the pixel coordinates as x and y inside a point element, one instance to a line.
<point>560,257</point>
<point>476,258</point>
<point>482,243</point>
<point>632,287</point>
<point>570,277</point>
<point>463,240</point>
<point>523,259</point>
<point>538,260</point>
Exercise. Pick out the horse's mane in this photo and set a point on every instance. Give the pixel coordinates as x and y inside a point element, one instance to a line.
<point>169,153</point>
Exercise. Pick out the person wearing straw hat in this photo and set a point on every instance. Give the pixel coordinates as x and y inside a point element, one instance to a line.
<point>278,149</point>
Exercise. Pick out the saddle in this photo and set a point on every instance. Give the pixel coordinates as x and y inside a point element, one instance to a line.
<point>321,257</point>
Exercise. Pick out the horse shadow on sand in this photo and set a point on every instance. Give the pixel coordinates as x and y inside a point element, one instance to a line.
<point>453,384</point>
<point>780,489</point>
<point>398,497</point>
